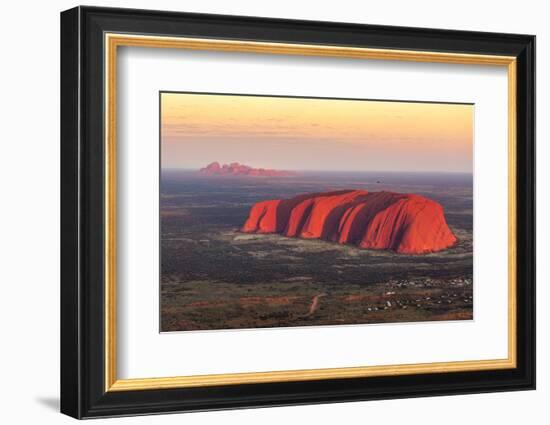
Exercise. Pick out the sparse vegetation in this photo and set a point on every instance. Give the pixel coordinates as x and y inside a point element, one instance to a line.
<point>214,277</point>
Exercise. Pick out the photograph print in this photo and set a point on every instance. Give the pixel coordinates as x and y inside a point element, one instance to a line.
<point>279,211</point>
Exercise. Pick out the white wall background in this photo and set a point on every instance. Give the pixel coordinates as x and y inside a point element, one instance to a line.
<point>29,213</point>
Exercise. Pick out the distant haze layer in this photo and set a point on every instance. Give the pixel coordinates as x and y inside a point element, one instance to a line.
<point>315,134</point>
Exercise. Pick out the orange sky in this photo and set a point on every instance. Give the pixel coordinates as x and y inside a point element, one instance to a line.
<point>315,134</point>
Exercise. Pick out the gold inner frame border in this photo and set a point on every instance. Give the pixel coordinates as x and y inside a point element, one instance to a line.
<point>111,43</point>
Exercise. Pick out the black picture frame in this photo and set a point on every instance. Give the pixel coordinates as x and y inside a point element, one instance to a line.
<point>83,392</point>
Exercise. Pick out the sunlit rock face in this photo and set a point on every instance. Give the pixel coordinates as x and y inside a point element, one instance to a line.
<point>404,223</point>
<point>236,169</point>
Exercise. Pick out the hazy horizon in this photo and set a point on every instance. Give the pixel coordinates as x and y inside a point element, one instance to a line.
<point>329,171</point>
<point>309,134</point>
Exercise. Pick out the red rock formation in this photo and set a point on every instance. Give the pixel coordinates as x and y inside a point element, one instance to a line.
<point>262,218</point>
<point>324,217</point>
<point>236,169</point>
<point>405,223</point>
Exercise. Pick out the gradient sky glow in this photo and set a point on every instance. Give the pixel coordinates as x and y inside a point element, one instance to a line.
<point>315,134</point>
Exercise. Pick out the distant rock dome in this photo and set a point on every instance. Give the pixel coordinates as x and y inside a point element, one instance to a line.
<point>236,169</point>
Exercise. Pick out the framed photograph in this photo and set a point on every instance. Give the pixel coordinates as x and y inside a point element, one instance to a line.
<point>261,212</point>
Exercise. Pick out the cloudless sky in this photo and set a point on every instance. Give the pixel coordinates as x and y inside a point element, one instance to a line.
<point>315,134</point>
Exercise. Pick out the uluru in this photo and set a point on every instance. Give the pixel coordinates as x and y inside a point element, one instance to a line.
<point>237,169</point>
<point>404,223</point>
